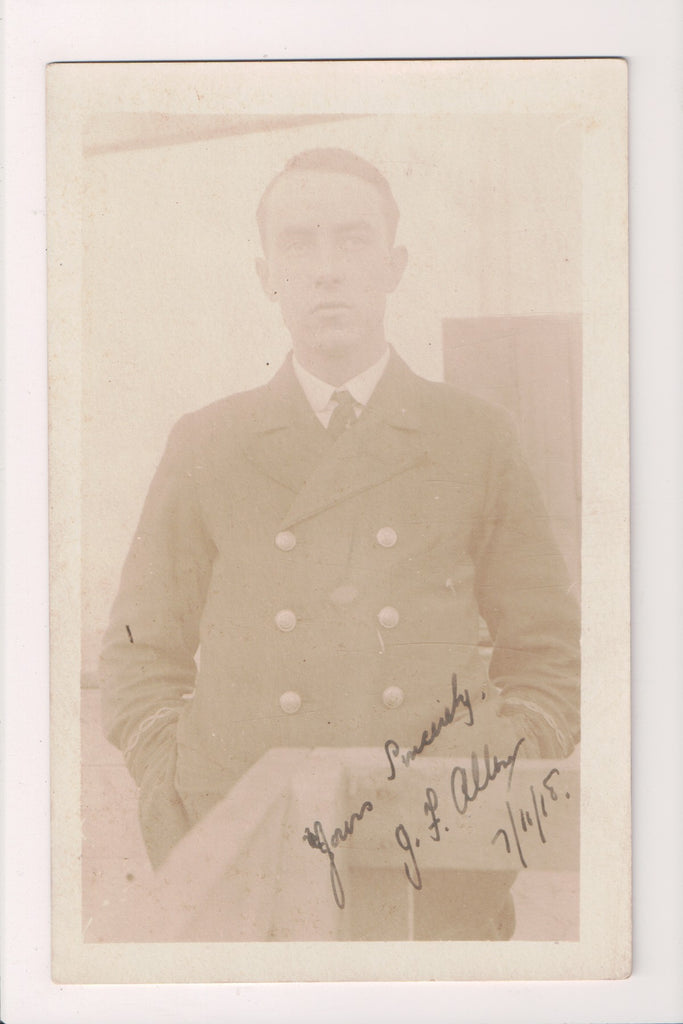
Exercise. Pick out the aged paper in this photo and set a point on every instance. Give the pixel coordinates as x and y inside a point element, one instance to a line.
<point>343,671</point>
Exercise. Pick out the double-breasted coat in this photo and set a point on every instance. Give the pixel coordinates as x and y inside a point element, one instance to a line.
<point>285,590</point>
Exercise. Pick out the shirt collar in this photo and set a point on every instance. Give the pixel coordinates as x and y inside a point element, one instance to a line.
<point>319,392</point>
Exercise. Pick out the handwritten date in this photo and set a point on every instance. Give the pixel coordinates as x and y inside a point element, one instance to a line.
<point>530,817</point>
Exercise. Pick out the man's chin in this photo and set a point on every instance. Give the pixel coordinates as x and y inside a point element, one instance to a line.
<point>335,339</point>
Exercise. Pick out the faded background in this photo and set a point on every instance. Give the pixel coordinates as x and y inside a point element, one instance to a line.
<point>174,316</point>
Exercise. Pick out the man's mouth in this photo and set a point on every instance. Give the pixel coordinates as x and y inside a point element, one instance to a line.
<point>331,307</point>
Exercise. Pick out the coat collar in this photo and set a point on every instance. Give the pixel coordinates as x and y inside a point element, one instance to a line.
<point>394,398</point>
<point>289,444</point>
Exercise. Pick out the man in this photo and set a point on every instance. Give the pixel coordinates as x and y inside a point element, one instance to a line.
<point>325,546</point>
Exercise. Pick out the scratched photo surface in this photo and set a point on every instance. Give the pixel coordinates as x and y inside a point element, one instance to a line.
<point>331,516</point>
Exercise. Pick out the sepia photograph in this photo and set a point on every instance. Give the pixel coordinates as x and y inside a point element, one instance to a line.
<point>326,358</point>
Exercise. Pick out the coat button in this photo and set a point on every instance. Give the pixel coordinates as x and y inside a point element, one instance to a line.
<point>393,697</point>
<point>285,620</point>
<point>285,541</point>
<point>388,617</point>
<point>387,536</point>
<point>290,702</point>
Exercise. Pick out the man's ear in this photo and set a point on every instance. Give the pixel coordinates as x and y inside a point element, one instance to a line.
<point>396,264</point>
<point>263,272</point>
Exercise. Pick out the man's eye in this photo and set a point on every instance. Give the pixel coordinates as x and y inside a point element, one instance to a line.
<point>297,246</point>
<point>350,243</point>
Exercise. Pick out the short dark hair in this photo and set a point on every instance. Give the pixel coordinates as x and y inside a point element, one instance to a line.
<point>335,161</point>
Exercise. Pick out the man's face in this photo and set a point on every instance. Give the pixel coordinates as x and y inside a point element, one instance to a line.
<point>329,261</point>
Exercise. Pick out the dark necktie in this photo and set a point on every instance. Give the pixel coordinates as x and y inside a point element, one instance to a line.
<point>343,415</point>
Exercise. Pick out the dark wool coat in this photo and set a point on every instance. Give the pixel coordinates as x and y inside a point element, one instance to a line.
<point>283,590</point>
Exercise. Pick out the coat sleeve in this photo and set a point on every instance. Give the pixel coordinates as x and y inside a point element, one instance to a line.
<point>147,665</point>
<point>525,597</point>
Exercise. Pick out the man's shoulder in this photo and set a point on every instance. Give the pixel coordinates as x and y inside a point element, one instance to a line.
<point>445,406</point>
<point>234,412</point>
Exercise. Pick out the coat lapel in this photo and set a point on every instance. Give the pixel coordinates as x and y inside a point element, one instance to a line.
<point>287,438</point>
<point>292,447</point>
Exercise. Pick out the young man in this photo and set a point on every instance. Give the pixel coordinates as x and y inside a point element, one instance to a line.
<point>328,543</point>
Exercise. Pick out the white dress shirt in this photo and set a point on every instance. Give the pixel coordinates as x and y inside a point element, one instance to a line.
<point>319,392</point>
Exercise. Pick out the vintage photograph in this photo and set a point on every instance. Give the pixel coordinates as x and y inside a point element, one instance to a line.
<point>332,380</point>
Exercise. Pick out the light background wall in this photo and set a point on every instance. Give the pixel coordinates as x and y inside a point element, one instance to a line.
<point>173,313</point>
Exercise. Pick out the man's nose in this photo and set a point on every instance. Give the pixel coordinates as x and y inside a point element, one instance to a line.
<point>329,263</point>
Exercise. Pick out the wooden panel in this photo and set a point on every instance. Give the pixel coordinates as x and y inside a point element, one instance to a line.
<point>531,365</point>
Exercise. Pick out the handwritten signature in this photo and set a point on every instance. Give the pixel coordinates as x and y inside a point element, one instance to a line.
<point>316,837</point>
<point>392,749</point>
<point>466,784</point>
<point>465,789</point>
